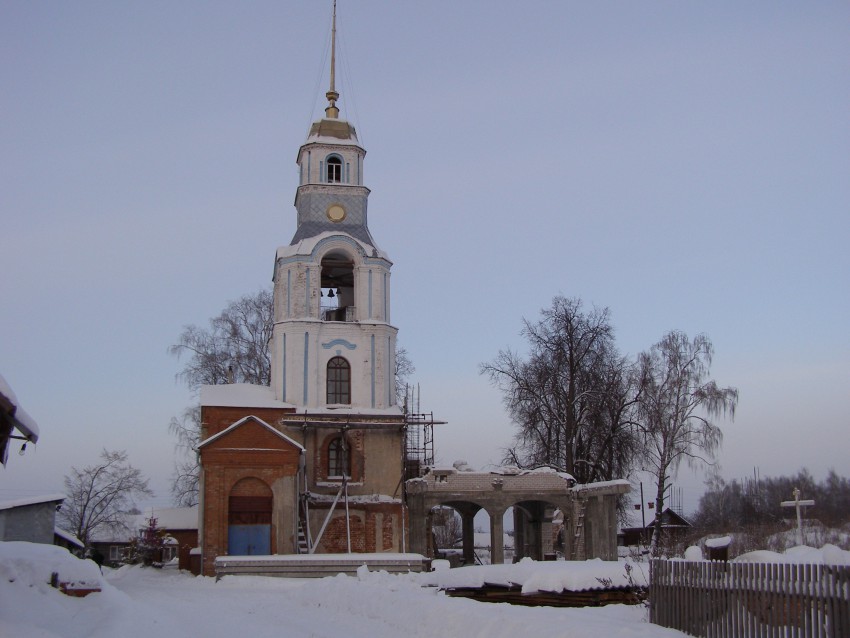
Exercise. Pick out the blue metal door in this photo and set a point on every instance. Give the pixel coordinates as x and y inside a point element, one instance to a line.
<point>249,540</point>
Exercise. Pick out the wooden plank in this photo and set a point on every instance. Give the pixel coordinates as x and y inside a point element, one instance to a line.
<point>774,586</point>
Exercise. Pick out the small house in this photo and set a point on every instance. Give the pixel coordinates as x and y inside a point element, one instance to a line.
<point>30,519</point>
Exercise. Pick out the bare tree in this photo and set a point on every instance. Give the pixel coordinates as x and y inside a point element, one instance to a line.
<point>235,348</point>
<point>677,406</point>
<point>100,496</point>
<point>447,528</point>
<point>571,397</point>
<point>403,369</point>
<point>184,481</point>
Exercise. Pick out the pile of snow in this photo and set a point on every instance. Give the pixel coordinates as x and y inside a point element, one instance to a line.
<point>723,541</point>
<point>826,555</point>
<point>693,553</point>
<point>33,564</point>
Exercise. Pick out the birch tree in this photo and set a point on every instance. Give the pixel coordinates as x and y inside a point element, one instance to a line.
<point>677,408</point>
<point>235,346</point>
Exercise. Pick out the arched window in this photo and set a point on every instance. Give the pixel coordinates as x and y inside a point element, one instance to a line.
<point>334,165</point>
<point>339,381</point>
<point>338,459</point>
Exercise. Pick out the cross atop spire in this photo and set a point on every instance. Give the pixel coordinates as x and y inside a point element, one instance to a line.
<point>332,111</point>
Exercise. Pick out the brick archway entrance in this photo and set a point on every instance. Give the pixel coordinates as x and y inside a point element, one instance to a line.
<point>249,518</point>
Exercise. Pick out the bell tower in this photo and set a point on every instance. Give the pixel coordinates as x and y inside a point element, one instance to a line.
<point>333,345</point>
<point>276,461</point>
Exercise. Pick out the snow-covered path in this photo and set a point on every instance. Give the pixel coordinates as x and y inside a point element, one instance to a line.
<point>140,603</point>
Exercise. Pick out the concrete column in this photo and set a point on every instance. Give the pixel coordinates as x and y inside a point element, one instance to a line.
<point>468,534</point>
<point>546,544</point>
<point>417,524</point>
<point>519,534</point>
<point>534,541</point>
<point>569,528</point>
<point>497,537</point>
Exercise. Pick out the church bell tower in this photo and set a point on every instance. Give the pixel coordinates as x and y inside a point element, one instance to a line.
<point>333,345</point>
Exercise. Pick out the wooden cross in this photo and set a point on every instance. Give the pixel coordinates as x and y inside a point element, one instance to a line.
<point>798,504</point>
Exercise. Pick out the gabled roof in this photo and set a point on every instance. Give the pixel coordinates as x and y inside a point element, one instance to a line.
<point>669,518</point>
<point>240,423</point>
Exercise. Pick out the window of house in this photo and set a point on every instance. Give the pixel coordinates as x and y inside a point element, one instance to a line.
<point>334,167</point>
<point>115,553</point>
<point>339,381</point>
<point>337,459</point>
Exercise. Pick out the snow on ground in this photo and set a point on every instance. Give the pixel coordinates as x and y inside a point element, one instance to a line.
<point>143,602</point>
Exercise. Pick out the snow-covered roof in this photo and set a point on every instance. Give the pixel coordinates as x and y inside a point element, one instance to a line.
<point>173,518</point>
<point>307,245</point>
<point>23,421</point>
<point>617,486</point>
<point>450,479</point>
<point>31,500</point>
<point>118,533</point>
<point>240,395</point>
<point>241,422</point>
<point>61,533</point>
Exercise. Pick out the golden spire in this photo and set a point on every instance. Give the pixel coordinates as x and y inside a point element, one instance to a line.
<point>331,111</point>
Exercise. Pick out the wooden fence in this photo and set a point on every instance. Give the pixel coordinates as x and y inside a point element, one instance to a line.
<point>748,600</point>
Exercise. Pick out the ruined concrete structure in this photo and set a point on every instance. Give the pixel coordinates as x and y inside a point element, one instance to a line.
<point>589,511</point>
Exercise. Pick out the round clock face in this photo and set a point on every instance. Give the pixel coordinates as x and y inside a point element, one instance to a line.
<point>336,213</point>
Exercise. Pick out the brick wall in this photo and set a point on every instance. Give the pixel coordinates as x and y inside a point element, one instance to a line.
<point>374,528</point>
<point>214,419</point>
<point>249,461</point>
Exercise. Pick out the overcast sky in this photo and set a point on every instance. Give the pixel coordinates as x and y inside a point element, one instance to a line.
<point>685,164</point>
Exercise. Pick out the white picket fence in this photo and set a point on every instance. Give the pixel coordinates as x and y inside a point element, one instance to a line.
<point>716,599</point>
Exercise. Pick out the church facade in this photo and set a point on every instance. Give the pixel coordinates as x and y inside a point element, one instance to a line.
<point>316,461</point>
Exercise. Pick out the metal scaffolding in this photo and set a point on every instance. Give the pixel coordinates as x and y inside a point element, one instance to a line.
<point>419,436</point>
